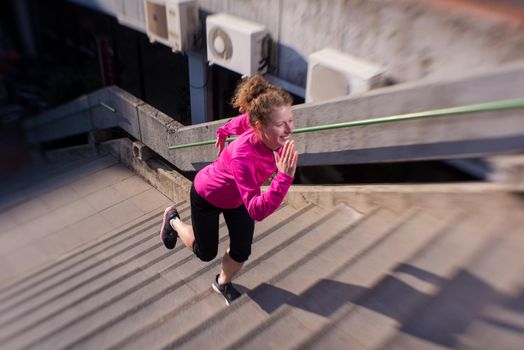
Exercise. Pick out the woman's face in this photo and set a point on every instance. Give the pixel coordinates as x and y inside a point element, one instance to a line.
<point>278,129</point>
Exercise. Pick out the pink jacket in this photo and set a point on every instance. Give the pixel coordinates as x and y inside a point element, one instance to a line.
<point>236,176</point>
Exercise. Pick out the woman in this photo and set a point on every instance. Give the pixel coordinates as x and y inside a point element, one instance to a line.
<point>231,184</point>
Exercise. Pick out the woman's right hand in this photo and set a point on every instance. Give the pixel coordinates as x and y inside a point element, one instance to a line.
<point>219,145</point>
<point>287,163</point>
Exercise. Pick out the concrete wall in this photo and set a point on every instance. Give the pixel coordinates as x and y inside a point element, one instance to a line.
<point>462,136</point>
<point>468,135</point>
<point>498,84</point>
<point>85,114</point>
<point>442,138</point>
<point>413,39</point>
<point>69,119</point>
<point>125,115</point>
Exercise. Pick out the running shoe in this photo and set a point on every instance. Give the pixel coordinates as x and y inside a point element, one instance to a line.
<point>167,234</point>
<point>226,290</point>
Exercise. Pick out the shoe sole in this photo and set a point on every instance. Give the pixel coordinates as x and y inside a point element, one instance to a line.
<point>164,218</point>
<point>215,288</point>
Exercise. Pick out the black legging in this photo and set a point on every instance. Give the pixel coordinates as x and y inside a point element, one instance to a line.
<point>204,217</point>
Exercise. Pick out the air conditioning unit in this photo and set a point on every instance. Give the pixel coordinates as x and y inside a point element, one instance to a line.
<point>131,14</point>
<point>172,22</point>
<point>237,44</point>
<point>332,73</point>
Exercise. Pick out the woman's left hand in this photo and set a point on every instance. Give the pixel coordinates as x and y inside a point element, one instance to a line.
<point>287,163</point>
<point>219,145</point>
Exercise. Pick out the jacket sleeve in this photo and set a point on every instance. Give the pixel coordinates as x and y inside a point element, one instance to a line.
<point>235,126</point>
<point>259,205</point>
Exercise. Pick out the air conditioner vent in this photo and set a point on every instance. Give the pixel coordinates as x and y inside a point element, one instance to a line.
<point>220,44</point>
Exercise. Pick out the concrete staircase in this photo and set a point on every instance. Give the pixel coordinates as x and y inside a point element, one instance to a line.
<point>360,270</point>
<point>51,208</point>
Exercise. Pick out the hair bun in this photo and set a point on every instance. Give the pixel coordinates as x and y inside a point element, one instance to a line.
<point>256,90</point>
<point>258,97</point>
<point>249,89</point>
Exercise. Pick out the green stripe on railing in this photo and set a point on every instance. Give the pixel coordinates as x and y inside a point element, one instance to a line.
<point>106,106</point>
<point>78,111</point>
<point>481,107</point>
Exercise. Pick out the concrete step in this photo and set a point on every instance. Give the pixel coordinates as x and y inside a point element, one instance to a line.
<point>500,327</point>
<point>40,231</point>
<point>342,241</point>
<point>95,274</point>
<point>34,182</point>
<point>32,189</point>
<point>278,259</point>
<point>75,261</point>
<point>41,170</point>
<point>194,275</point>
<point>400,294</point>
<point>314,307</point>
<point>152,293</point>
<point>89,281</point>
<point>457,315</point>
<point>71,153</point>
<point>93,264</point>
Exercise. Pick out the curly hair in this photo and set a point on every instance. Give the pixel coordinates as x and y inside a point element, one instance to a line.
<point>259,98</point>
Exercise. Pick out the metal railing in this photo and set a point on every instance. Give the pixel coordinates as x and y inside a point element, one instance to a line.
<point>475,108</point>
